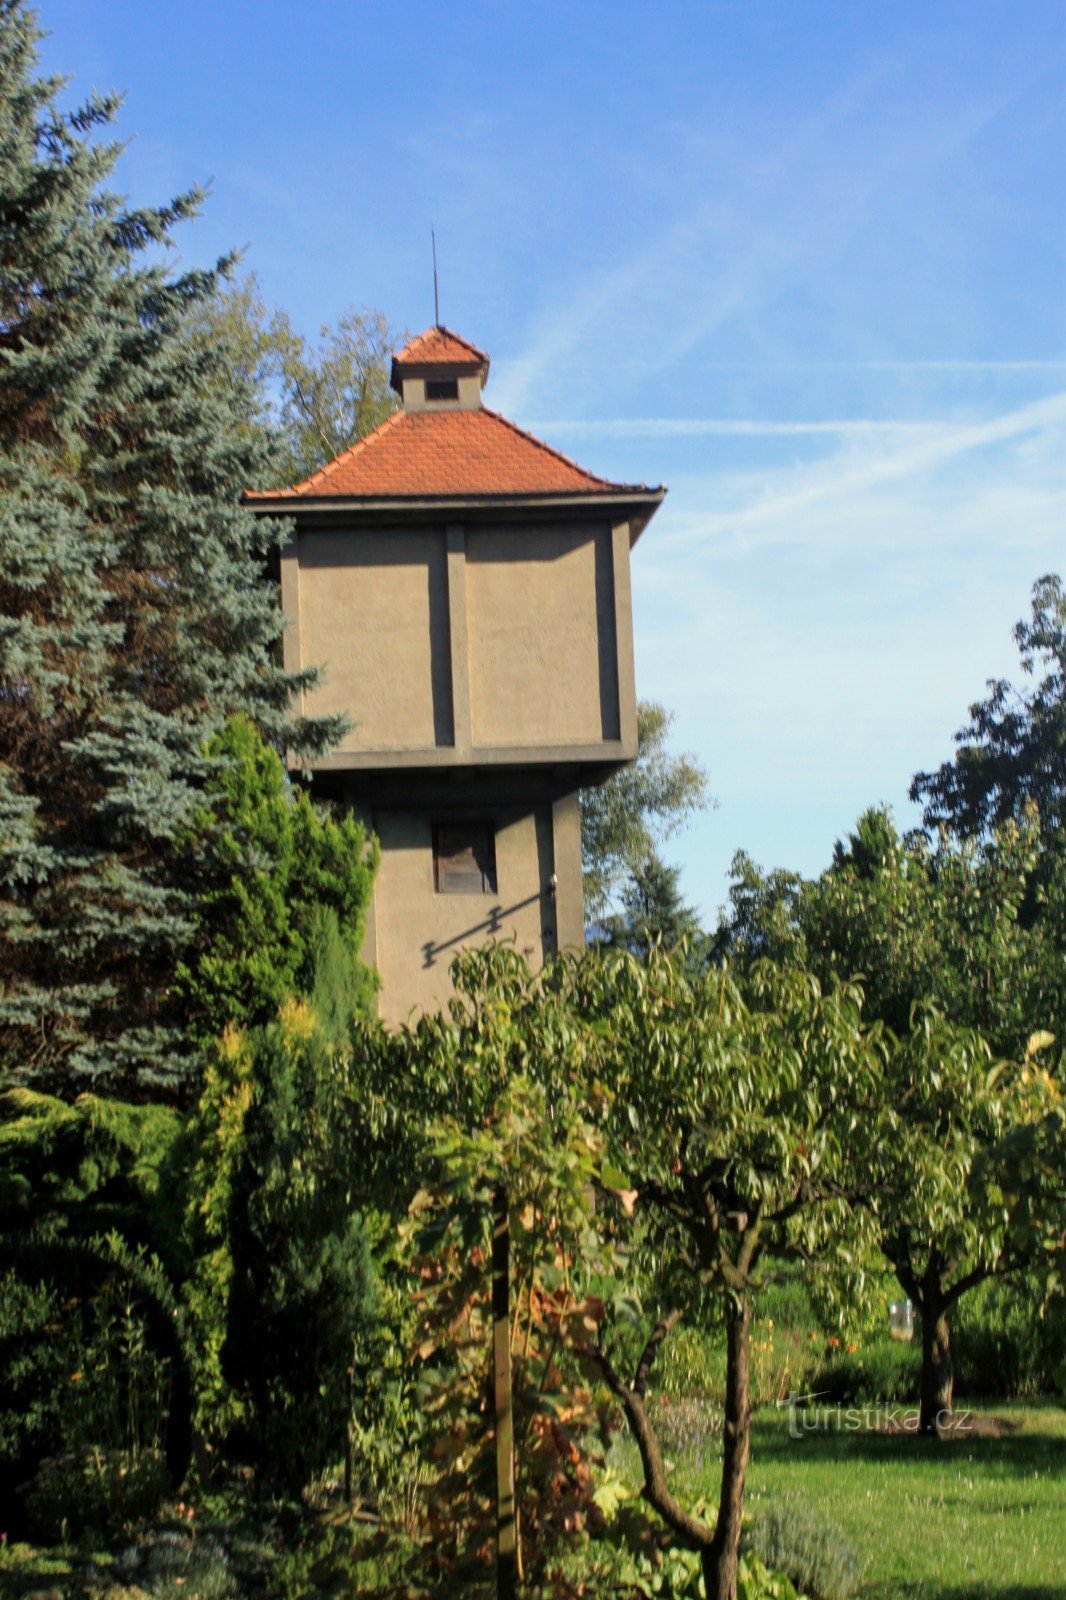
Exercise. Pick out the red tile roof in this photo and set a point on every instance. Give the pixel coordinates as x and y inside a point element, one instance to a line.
<point>440,346</point>
<point>448,453</point>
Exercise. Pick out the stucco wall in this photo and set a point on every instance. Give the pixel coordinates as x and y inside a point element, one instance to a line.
<point>468,399</point>
<point>541,628</point>
<point>449,643</point>
<point>373,615</point>
<point>417,931</point>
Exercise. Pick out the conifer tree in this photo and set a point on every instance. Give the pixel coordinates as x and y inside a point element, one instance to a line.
<point>654,912</point>
<point>282,896</point>
<point>136,611</point>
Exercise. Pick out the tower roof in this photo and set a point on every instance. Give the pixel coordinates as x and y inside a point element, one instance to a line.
<point>436,351</point>
<point>452,451</point>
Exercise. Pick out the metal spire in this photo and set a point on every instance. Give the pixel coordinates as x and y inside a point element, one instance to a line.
<point>436,291</point>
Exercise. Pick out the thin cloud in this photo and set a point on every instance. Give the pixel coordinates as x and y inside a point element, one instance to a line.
<point>851,478</point>
<point>979,364</point>
<point>731,427</point>
<point>746,237</point>
<point>816,660</point>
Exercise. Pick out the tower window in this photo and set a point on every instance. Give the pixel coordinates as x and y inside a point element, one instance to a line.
<point>464,858</point>
<point>442,388</point>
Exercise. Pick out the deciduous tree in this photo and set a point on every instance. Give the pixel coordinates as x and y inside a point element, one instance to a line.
<point>305,401</point>
<point>976,928</point>
<point>931,1164</point>
<point>1012,752</point>
<point>958,948</point>
<point>729,1119</point>
<point>626,818</point>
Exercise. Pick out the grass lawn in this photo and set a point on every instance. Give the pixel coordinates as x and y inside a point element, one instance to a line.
<point>973,1518</point>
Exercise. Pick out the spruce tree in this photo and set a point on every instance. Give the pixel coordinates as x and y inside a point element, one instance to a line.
<point>654,913</point>
<point>136,608</point>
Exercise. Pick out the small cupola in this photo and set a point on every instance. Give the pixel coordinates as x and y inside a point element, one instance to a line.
<point>439,371</point>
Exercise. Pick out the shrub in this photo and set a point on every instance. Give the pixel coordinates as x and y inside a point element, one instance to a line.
<point>267,864</point>
<point>559,1423</point>
<point>1007,1344</point>
<point>782,1360</point>
<point>693,1363</point>
<point>105,1490</point>
<point>671,1573</point>
<point>83,1379</point>
<point>90,1346</point>
<point>690,1425</point>
<point>887,1370</point>
<point>785,1301</point>
<point>302,1276</point>
<point>284,1282</point>
<point>37,1356</point>
<point>792,1537</point>
<point>758,1581</point>
<point>786,1344</point>
<point>178,1565</point>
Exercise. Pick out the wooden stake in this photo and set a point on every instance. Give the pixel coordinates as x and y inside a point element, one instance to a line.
<point>349,1395</point>
<point>501,1352</point>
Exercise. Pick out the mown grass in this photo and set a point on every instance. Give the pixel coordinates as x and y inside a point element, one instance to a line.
<point>971,1518</point>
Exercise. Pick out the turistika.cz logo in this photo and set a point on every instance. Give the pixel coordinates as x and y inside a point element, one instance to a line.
<point>805,1415</point>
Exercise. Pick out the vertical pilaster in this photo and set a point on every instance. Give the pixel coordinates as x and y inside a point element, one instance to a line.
<point>289,562</point>
<point>623,632</point>
<point>569,890</point>
<point>459,637</point>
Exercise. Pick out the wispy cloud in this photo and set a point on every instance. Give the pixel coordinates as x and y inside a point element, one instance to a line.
<point>731,427</point>
<point>845,477</point>
<point>821,624</point>
<point>781,218</point>
<point>978,365</point>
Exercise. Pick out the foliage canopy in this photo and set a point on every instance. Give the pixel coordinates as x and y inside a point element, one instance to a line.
<point>1011,754</point>
<point>624,819</point>
<point>303,402</point>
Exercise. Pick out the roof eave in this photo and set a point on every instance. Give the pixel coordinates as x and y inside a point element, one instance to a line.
<point>638,501</point>
<point>433,369</point>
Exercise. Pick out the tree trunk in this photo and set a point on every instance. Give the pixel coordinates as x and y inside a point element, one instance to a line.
<point>721,1558</point>
<point>938,1374</point>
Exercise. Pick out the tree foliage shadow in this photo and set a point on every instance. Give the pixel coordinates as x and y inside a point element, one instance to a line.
<point>983,1591</point>
<point>1019,1452</point>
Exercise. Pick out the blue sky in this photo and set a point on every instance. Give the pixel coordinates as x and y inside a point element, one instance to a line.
<point>805,264</point>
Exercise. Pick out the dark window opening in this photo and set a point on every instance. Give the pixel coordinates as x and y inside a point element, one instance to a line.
<point>464,858</point>
<point>442,388</point>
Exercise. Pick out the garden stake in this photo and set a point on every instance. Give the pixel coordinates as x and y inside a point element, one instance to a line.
<point>501,1350</point>
<point>350,1394</point>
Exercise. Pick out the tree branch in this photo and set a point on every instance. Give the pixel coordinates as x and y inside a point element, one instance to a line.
<point>690,1531</point>
<point>900,1257</point>
<point>651,1350</point>
<point>977,1275</point>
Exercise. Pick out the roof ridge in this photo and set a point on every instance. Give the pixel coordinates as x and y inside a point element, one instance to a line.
<point>440,327</point>
<point>438,331</point>
<point>550,450</point>
<point>346,455</point>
